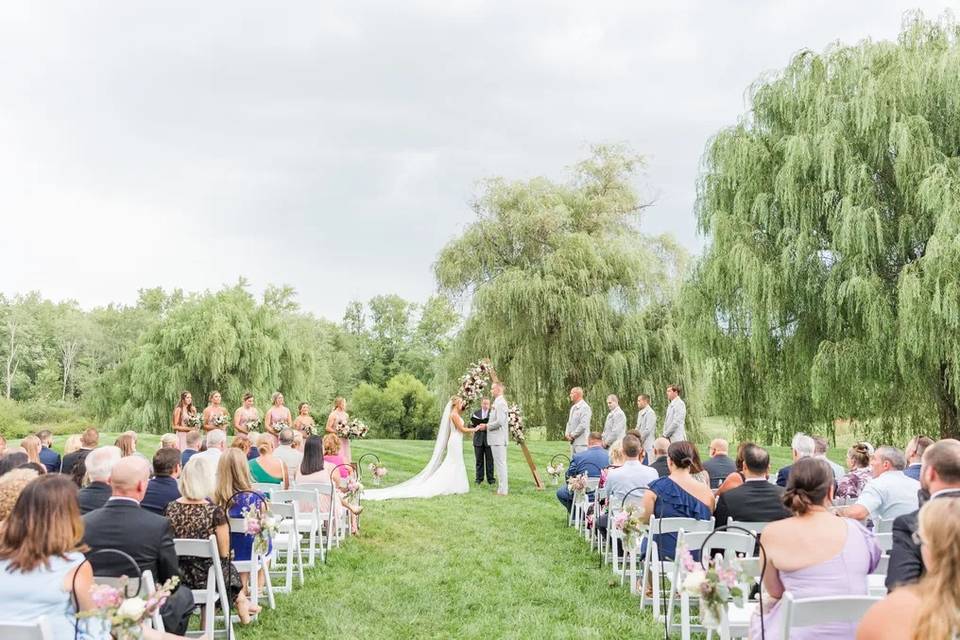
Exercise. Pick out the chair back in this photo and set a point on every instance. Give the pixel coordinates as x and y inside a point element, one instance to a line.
<point>39,629</point>
<point>266,488</point>
<point>146,584</point>
<point>883,525</point>
<point>755,527</point>
<point>197,548</point>
<point>884,541</point>
<point>674,525</point>
<point>729,544</point>
<point>882,566</point>
<point>804,612</point>
<point>295,495</point>
<point>633,497</point>
<point>322,488</point>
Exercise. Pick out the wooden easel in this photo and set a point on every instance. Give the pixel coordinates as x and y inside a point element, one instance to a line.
<point>533,467</point>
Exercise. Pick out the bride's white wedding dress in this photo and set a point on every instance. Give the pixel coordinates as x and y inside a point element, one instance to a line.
<point>445,474</point>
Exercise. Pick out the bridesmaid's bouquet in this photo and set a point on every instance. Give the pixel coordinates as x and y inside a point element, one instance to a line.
<point>474,381</point>
<point>220,421</point>
<point>515,424</point>
<point>358,430</point>
<point>193,420</point>
<point>253,425</point>
<point>342,429</point>
<point>126,616</point>
<point>280,426</point>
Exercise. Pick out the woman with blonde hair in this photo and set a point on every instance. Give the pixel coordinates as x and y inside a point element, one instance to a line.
<point>929,610</point>
<point>72,444</point>
<point>215,415</point>
<point>267,467</point>
<point>278,417</point>
<point>31,446</point>
<point>233,494</point>
<point>337,416</point>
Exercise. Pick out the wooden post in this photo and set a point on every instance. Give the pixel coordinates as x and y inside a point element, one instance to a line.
<point>533,467</point>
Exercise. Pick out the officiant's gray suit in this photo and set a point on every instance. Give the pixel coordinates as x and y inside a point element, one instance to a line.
<point>497,432</point>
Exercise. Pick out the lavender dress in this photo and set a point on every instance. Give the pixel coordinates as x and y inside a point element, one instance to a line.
<point>845,574</point>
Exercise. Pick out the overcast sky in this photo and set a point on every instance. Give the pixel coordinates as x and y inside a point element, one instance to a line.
<point>335,147</point>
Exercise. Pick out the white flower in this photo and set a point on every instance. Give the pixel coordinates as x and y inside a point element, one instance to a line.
<point>693,581</point>
<point>132,608</point>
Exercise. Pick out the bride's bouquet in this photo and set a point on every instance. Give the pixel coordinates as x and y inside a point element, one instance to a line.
<point>474,381</point>
<point>515,424</point>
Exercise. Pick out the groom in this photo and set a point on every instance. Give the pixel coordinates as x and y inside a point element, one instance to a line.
<point>497,436</point>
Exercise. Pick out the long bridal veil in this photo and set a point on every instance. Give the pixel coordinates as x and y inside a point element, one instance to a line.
<point>441,475</point>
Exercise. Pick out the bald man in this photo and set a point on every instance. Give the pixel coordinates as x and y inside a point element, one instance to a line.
<point>578,424</point>
<point>719,466</point>
<point>121,524</point>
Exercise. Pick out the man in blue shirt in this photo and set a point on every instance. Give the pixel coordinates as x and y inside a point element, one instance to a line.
<point>48,457</point>
<point>591,461</point>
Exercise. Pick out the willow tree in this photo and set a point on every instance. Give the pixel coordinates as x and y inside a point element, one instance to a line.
<point>830,287</point>
<point>565,291</point>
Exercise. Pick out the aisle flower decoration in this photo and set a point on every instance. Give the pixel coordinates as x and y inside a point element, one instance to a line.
<point>356,430</point>
<point>715,586</point>
<point>193,420</point>
<point>377,471</point>
<point>577,485</point>
<point>515,423</point>
<point>630,523</point>
<point>354,490</point>
<point>555,471</point>
<point>262,525</point>
<point>126,616</point>
<point>474,382</point>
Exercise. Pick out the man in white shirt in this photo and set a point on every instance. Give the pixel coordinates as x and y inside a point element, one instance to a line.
<point>889,493</point>
<point>578,424</point>
<point>615,426</point>
<point>630,476</point>
<point>674,422</point>
<point>216,443</point>
<point>290,456</point>
<point>646,426</point>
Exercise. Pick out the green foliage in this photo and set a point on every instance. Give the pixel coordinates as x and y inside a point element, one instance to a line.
<point>565,291</point>
<point>18,419</point>
<point>830,285</point>
<point>403,409</point>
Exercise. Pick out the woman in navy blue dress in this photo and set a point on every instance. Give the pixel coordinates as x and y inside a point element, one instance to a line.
<point>235,493</point>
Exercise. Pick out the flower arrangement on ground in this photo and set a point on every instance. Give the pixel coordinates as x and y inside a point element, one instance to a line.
<point>715,586</point>
<point>475,381</point>
<point>555,471</point>
<point>377,471</point>
<point>515,423</point>
<point>126,615</point>
<point>262,525</point>
<point>631,525</point>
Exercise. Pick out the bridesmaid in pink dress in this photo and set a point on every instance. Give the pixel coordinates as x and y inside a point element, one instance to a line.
<point>304,421</point>
<point>214,409</point>
<point>183,409</point>
<point>245,415</point>
<point>277,415</point>
<point>337,416</point>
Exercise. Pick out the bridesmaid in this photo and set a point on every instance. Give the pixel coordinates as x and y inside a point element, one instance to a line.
<point>304,421</point>
<point>338,415</point>
<point>278,414</point>
<point>183,410</point>
<point>245,414</point>
<point>215,408</point>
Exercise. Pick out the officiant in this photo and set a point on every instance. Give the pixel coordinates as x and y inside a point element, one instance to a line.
<point>481,450</point>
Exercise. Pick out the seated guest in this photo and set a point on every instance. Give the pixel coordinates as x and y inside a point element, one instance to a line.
<point>591,461</point>
<point>719,466</point>
<point>146,537</point>
<point>233,494</point>
<point>931,609</point>
<point>191,515</point>
<point>168,441</point>
<point>88,442</point>
<point>269,468</point>
<point>820,446</point>
<point>11,484</point>
<point>802,446</point>
<point>12,460</point>
<point>71,444</point>
<point>697,469</point>
<point>162,488</point>
<point>889,493</point>
<point>659,464</point>
<point>254,449</point>
<point>287,453</point>
<point>756,500</point>
<point>940,479</point>
<point>193,440</point>
<point>631,474</point>
<point>331,455</point>
<point>677,495</point>
<point>813,553</point>
<point>99,465</point>
<point>242,442</point>
<point>858,461</point>
<point>31,446</point>
<point>734,479</point>
<point>216,443</point>
<point>48,457</point>
<point>914,455</point>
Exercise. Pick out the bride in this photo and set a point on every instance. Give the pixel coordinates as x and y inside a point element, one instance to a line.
<point>446,473</point>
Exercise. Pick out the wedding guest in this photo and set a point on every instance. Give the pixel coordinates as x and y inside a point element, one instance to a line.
<point>677,495</point>
<point>858,461</point>
<point>48,457</point>
<point>660,446</point>
<point>674,422</point>
<point>191,446</point>
<point>234,493</point>
<point>14,459</point>
<point>940,479</point>
<point>215,414</point>
<point>99,465</point>
<point>253,451</point>
<point>735,479</point>
<point>288,454</point>
<point>88,442</point>
<point>756,500</point>
<point>268,468</point>
<point>719,466</point>
<point>181,416</point>
<point>802,446</point>
<point>482,452</point>
<point>332,455</point>
<point>617,458</point>
<point>169,441</point>
<point>889,493</point>
<point>31,446</point>
<point>697,470</point>
<point>192,515</point>
<point>631,474</point>
<point>578,424</point>
<point>615,426</point>
<point>122,524</point>
<point>11,485</point>
<point>820,447</point>
<point>339,416</point>
<point>246,415</point>
<point>304,422</point>
<point>914,455</point>
<point>591,461</point>
<point>278,418</point>
<point>242,442</point>
<point>162,488</point>
<point>315,469</point>
<point>72,444</point>
<point>216,443</point>
<point>929,610</point>
<point>127,444</point>
<point>646,426</point>
<point>813,553</point>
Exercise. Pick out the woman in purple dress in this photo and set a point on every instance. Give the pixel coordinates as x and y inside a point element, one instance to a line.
<point>858,461</point>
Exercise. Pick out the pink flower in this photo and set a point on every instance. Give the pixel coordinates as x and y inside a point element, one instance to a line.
<point>620,520</point>
<point>105,596</point>
<point>687,560</point>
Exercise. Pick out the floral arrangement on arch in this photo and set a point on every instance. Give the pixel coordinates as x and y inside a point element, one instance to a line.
<point>475,381</point>
<point>262,525</point>
<point>631,525</point>
<point>378,471</point>
<point>715,586</point>
<point>126,615</point>
<point>515,423</point>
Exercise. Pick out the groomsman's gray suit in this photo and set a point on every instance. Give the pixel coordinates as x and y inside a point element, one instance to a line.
<point>647,426</point>
<point>674,422</point>
<point>578,425</point>
<point>615,427</point>
<point>497,432</point>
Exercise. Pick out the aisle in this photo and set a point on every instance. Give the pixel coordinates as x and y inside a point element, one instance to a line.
<point>472,566</point>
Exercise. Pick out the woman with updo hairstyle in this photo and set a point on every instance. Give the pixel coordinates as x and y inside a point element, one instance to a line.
<point>735,479</point>
<point>814,553</point>
<point>858,461</point>
<point>677,495</point>
<point>267,467</point>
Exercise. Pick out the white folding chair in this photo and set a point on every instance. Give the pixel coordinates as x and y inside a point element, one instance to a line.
<point>599,498</point>
<point>884,541</point>
<point>755,527</point>
<point>254,566</point>
<point>654,567</point>
<point>39,629</point>
<point>327,518</point>
<point>286,544</point>
<point>883,525</point>
<point>147,588</point>
<point>266,488</point>
<point>216,589</point>
<point>877,579</point>
<point>309,519</point>
<point>614,538</point>
<point>803,612</point>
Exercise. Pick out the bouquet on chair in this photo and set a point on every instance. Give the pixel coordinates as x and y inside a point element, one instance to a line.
<point>715,586</point>
<point>630,523</point>
<point>555,472</point>
<point>125,616</point>
<point>577,485</point>
<point>378,471</point>
<point>354,491</point>
<point>263,526</point>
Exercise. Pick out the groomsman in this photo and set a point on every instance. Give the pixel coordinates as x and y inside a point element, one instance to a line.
<point>578,424</point>
<point>647,426</point>
<point>615,426</point>
<point>674,422</point>
<point>481,450</point>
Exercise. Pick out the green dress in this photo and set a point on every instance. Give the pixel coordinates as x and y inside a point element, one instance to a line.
<point>262,475</point>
